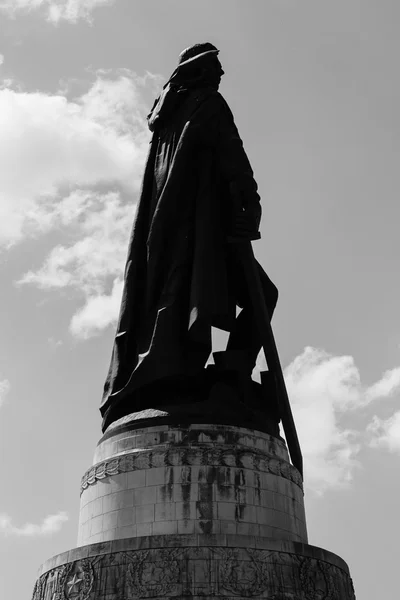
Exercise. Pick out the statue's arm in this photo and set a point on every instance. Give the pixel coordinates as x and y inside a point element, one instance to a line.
<point>236,170</point>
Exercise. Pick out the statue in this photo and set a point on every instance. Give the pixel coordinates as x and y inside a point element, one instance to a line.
<point>182,274</point>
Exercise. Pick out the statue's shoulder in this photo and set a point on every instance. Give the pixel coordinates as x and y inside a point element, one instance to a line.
<point>210,103</point>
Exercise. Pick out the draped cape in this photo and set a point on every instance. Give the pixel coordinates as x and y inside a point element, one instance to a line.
<point>176,278</point>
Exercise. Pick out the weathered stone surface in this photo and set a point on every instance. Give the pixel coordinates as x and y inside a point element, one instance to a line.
<point>166,567</point>
<point>201,478</point>
<point>119,441</point>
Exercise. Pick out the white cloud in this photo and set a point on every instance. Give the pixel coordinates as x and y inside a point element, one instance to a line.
<point>59,158</point>
<point>1,59</point>
<point>51,524</point>
<point>385,433</point>
<point>55,10</point>
<point>99,312</point>
<point>94,264</point>
<point>49,143</point>
<point>388,385</point>
<point>323,391</point>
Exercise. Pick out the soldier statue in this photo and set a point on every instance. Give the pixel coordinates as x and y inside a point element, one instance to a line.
<point>182,275</point>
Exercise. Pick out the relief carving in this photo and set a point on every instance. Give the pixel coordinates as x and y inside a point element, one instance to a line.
<point>77,581</point>
<point>215,571</point>
<point>153,573</point>
<point>317,580</point>
<point>242,577</point>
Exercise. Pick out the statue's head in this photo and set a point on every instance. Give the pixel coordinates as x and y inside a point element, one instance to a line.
<point>201,59</point>
<point>198,66</point>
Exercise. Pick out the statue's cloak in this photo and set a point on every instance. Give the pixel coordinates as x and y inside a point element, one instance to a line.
<point>177,282</point>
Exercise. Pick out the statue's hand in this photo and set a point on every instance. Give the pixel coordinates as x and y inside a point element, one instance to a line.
<point>247,223</point>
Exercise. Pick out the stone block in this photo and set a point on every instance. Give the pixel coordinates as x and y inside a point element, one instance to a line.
<point>118,500</point>
<point>185,510</point>
<point>136,479</point>
<point>96,525</point>
<point>110,520</point>
<point>247,528</point>
<point>165,528</point>
<point>97,506</point>
<point>143,529</point>
<point>118,483</point>
<point>226,511</point>
<point>186,474</point>
<point>126,516</point>
<point>186,526</point>
<point>164,511</point>
<point>126,532</point>
<point>228,527</point>
<point>144,495</point>
<point>156,476</point>
<point>188,492</point>
<point>246,513</point>
<point>145,514</point>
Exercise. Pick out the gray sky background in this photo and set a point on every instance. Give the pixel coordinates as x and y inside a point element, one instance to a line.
<point>314,87</point>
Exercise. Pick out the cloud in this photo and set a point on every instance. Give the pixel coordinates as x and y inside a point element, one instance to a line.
<point>388,385</point>
<point>1,59</point>
<point>4,389</point>
<point>324,391</point>
<point>93,265</point>
<point>51,524</point>
<point>55,10</point>
<point>385,433</point>
<point>49,144</point>
<point>99,312</point>
<point>74,167</point>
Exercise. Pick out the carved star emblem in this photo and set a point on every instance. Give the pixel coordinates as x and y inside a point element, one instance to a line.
<point>73,583</point>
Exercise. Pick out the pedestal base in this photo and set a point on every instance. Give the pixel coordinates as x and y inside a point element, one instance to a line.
<point>197,567</point>
<point>192,510</point>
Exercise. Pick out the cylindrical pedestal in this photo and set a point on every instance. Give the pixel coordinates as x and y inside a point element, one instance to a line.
<point>194,511</point>
<point>198,479</point>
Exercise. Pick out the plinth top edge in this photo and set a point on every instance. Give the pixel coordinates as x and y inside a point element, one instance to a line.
<point>212,427</point>
<point>195,540</point>
<point>160,436</point>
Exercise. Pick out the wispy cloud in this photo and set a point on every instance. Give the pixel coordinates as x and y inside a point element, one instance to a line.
<point>55,10</point>
<point>50,525</point>
<point>324,390</point>
<point>385,433</point>
<point>93,265</point>
<point>49,143</point>
<point>1,59</point>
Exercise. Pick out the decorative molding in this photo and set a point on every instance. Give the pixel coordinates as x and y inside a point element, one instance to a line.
<point>207,571</point>
<point>226,456</point>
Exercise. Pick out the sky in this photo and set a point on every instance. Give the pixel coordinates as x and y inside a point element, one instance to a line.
<point>315,90</point>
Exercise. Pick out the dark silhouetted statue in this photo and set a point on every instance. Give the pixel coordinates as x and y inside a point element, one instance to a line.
<point>182,274</point>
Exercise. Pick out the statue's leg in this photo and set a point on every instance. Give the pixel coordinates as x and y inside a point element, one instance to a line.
<point>198,348</point>
<point>245,334</point>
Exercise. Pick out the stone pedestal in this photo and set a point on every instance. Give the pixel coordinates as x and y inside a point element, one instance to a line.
<point>192,511</point>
